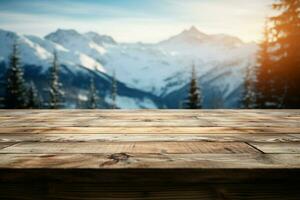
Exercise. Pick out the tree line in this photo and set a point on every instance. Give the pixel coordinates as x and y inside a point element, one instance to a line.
<point>20,94</point>
<point>275,81</point>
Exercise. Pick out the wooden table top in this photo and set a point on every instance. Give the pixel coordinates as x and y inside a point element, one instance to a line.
<point>150,139</point>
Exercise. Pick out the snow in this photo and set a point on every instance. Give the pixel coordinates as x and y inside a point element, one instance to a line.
<point>82,97</point>
<point>74,41</point>
<point>159,68</point>
<point>124,102</point>
<point>90,63</point>
<point>148,67</point>
<point>100,39</point>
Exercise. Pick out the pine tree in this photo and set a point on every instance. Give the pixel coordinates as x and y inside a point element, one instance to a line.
<point>249,94</point>
<point>55,86</point>
<point>2,85</point>
<point>15,95</point>
<point>1,102</point>
<point>265,77</point>
<point>286,40</point>
<point>217,99</point>
<point>33,97</point>
<point>93,98</point>
<point>114,91</point>
<point>194,99</point>
<point>78,102</point>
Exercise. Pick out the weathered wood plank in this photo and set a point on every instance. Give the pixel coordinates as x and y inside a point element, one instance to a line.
<point>6,144</point>
<point>286,147</point>
<point>111,123</point>
<point>150,130</point>
<point>176,114</point>
<point>149,137</point>
<point>83,122</point>
<point>150,161</point>
<point>129,147</point>
<point>185,154</point>
<point>161,114</point>
<point>295,135</point>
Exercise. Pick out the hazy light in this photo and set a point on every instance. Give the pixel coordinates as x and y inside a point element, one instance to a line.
<point>163,18</point>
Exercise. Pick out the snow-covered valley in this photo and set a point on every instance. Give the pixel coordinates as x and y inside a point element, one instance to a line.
<point>149,75</point>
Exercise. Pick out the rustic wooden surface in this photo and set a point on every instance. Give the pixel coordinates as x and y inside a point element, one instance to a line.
<point>151,154</point>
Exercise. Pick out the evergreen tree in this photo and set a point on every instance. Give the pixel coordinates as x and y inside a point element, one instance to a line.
<point>93,98</point>
<point>286,40</point>
<point>249,94</point>
<point>265,77</point>
<point>114,91</point>
<point>181,104</point>
<point>217,100</point>
<point>15,95</point>
<point>2,85</point>
<point>1,102</point>
<point>194,100</point>
<point>78,102</point>
<point>33,97</point>
<point>55,86</point>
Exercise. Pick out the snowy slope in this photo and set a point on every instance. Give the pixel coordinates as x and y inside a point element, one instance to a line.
<point>161,69</point>
<point>164,67</point>
<point>39,52</point>
<point>78,68</point>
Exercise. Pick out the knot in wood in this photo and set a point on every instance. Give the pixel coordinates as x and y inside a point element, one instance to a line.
<point>119,156</point>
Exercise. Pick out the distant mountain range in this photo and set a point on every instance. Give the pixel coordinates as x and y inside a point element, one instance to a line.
<point>149,75</point>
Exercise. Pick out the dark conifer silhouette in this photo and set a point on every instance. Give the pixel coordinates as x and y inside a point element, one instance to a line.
<point>93,98</point>
<point>34,101</point>
<point>249,90</point>
<point>286,53</point>
<point>217,100</point>
<point>194,100</point>
<point>114,92</point>
<point>55,91</point>
<point>15,94</point>
<point>79,102</point>
<point>265,77</point>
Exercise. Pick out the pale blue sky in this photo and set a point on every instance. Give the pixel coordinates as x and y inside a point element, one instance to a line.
<point>136,20</point>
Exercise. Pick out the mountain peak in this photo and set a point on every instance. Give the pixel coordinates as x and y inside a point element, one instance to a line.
<point>194,32</point>
<point>193,29</point>
<point>100,39</point>
<point>188,36</point>
<point>63,33</point>
<point>67,31</point>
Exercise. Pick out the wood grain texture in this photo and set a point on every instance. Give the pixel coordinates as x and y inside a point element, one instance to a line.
<point>149,161</point>
<point>286,147</point>
<point>151,130</point>
<point>10,137</point>
<point>6,144</point>
<point>150,154</point>
<point>129,147</point>
<point>233,118</point>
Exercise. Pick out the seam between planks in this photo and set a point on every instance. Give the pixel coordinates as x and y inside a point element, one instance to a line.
<point>254,147</point>
<point>10,145</point>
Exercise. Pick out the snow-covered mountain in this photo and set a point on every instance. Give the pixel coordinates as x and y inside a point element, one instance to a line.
<point>159,72</point>
<point>77,70</point>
